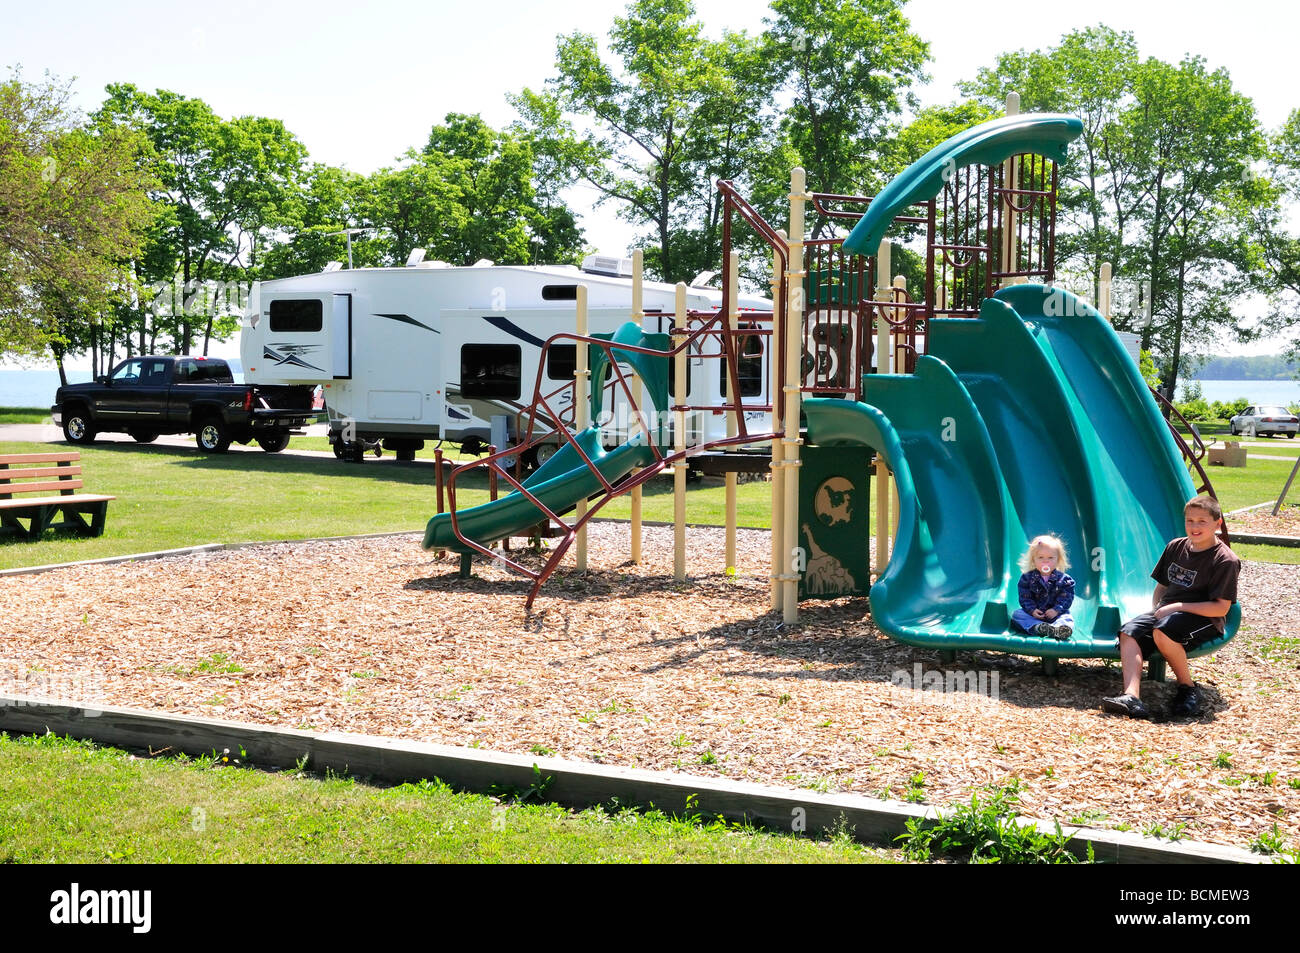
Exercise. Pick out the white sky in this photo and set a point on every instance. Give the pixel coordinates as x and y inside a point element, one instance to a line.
<point>359,83</point>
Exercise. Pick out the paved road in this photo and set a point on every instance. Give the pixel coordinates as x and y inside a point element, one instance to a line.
<point>48,433</point>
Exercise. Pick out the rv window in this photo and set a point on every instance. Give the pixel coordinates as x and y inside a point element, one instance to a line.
<point>561,361</point>
<point>293,315</point>
<point>490,370</point>
<point>750,367</point>
<point>559,292</point>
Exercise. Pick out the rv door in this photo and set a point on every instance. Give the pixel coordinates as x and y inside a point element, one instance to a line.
<point>308,337</point>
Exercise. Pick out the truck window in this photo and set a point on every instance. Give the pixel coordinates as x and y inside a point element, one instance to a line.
<point>128,372</point>
<point>490,370</point>
<point>296,316</point>
<point>153,372</point>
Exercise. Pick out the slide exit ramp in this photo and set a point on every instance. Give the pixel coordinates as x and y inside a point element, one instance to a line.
<point>1029,419</point>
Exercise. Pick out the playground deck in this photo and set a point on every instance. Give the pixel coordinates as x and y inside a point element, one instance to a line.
<point>625,668</point>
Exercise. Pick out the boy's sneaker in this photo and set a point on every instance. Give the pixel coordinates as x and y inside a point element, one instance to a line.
<point>1187,701</point>
<point>1062,632</point>
<point>1046,630</point>
<point>1125,705</point>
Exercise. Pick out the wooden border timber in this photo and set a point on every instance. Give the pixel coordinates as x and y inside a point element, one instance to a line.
<point>575,784</point>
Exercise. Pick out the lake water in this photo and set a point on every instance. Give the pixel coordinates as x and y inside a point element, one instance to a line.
<point>36,388</point>
<point>1257,392</point>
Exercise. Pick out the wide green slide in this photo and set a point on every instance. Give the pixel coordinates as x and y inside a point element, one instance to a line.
<point>1031,418</point>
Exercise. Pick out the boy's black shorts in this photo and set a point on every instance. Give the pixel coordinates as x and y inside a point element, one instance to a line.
<point>1188,629</point>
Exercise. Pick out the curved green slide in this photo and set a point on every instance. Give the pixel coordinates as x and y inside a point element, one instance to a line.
<point>565,479</point>
<point>1030,419</point>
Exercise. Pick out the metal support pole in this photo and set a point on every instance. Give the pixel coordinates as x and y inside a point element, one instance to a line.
<point>581,413</point>
<point>638,391</point>
<point>679,435</point>
<point>1010,245</point>
<point>793,380</point>
<point>733,426</point>
<point>775,348</point>
<point>884,365</point>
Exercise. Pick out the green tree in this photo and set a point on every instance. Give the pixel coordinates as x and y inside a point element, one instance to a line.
<point>850,66</point>
<point>1192,141</point>
<point>642,121</point>
<point>229,186</point>
<point>74,208</point>
<point>470,194</point>
<point>1276,245</point>
<point>1090,74</point>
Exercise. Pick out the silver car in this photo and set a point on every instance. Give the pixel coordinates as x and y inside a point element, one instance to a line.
<point>1263,420</point>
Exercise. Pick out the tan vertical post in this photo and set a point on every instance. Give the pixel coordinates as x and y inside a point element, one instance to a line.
<point>900,284</point>
<point>638,391</point>
<point>582,412</point>
<point>775,348</point>
<point>1103,292</point>
<point>793,380</point>
<point>1010,246</point>
<point>884,365</point>
<point>679,435</point>
<point>733,418</point>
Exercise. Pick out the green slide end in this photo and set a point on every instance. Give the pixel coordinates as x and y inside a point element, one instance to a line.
<point>1030,419</point>
<point>559,485</point>
<point>988,143</point>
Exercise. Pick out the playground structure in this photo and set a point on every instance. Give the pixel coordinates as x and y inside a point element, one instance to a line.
<point>996,407</point>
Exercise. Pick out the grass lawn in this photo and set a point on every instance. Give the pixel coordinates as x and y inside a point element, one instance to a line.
<point>65,801</point>
<point>171,497</point>
<point>24,415</point>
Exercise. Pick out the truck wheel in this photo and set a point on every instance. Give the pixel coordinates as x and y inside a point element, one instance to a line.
<point>273,443</point>
<point>143,436</point>
<point>212,436</point>
<point>77,426</point>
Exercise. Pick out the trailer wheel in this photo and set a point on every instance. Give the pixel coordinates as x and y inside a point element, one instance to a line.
<point>405,456</point>
<point>350,452</point>
<point>273,443</point>
<point>212,436</point>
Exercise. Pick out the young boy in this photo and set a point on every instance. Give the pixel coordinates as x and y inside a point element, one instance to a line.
<point>1196,585</point>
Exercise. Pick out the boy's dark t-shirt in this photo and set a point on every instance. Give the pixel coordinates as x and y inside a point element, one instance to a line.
<point>1197,576</point>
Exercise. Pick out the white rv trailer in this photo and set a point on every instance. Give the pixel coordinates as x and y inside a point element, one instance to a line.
<point>435,352</point>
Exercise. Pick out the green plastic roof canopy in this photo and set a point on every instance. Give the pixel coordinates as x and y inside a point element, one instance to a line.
<point>1044,134</point>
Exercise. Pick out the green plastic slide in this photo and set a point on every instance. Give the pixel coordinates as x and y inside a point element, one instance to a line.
<point>559,485</point>
<point>1030,419</point>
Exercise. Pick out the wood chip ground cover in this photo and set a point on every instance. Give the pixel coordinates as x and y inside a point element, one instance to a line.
<point>625,667</point>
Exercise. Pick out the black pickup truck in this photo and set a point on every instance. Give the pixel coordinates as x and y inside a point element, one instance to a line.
<point>148,396</point>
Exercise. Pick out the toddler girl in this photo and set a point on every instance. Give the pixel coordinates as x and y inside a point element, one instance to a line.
<point>1046,591</point>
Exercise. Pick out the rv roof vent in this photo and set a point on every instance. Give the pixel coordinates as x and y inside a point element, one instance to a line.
<point>484,263</point>
<point>416,256</point>
<point>332,266</point>
<point>433,264</point>
<point>607,265</point>
<point>703,279</point>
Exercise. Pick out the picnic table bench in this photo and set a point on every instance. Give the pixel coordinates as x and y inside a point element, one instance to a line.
<point>32,473</point>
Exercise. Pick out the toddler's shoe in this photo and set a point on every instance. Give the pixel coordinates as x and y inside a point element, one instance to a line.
<point>1046,630</point>
<point>1062,632</point>
<point>1125,705</point>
